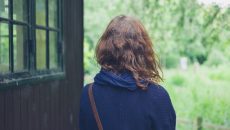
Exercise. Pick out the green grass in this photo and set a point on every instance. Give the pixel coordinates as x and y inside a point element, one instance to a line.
<point>202,92</point>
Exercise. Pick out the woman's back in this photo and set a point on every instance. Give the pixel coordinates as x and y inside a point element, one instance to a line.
<point>123,106</point>
<point>125,90</point>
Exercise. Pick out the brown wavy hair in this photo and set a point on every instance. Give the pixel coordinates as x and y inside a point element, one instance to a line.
<point>126,46</point>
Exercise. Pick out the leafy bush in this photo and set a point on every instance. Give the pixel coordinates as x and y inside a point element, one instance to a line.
<point>216,58</point>
<point>171,60</point>
<point>196,51</point>
<point>178,80</point>
<point>220,73</point>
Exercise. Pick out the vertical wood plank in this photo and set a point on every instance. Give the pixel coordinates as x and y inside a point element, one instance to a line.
<point>67,107</point>
<point>48,104</point>
<point>9,110</point>
<point>35,110</point>
<point>31,109</point>
<point>17,109</point>
<point>44,98</point>
<point>2,110</point>
<point>25,97</point>
<point>54,108</point>
<point>61,103</point>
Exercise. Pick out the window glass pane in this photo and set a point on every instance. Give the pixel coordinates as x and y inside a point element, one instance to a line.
<point>53,50</point>
<point>41,49</point>
<point>20,10</point>
<point>40,12</point>
<point>53,13</point>
<point>4,8</point>
<point>20,47</point>
<point>4,47</point>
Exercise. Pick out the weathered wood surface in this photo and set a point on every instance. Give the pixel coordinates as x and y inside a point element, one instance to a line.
<point>53,104</point>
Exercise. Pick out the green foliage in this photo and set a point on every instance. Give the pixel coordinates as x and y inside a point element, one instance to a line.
<point>171,61</point>
<point>178,27</point>
<point>217,74</point>
<point>196,52</point>
<point>178,80</point>
<point>206,93</point>
<point>89,60</point>
<point>216,58</point>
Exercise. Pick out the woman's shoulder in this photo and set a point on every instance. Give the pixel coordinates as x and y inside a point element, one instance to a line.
<point>158,93</point>
<point>162,108</point>
<point>84,95</point>
<point>85,88</point>
<point>84,92</point>
<point>157,88</point>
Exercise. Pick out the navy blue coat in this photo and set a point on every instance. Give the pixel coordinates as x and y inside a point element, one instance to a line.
<point>123,106</point>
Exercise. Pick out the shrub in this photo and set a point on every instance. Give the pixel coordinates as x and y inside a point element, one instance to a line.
<point>171,60</point>
<point>216,58</point>
<point>178,80</point>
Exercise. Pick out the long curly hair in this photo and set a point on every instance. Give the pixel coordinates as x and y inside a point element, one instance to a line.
<point>126,46</point>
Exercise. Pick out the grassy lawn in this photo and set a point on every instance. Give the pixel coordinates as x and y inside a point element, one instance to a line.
<point>201,92</point>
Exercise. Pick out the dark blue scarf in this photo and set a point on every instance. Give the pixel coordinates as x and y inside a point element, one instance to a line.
<point>124,79</point>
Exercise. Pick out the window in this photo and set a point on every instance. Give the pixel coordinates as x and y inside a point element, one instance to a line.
<point>30,39</point>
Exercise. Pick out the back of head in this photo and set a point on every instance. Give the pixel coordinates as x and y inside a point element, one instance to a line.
<point>126,46</point>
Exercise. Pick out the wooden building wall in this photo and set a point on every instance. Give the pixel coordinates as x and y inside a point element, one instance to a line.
<point>51,104</point>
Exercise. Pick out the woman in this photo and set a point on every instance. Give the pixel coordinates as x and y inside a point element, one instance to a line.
<point>126,92</point>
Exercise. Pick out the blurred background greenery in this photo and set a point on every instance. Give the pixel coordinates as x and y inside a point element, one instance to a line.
<point>192,40</point>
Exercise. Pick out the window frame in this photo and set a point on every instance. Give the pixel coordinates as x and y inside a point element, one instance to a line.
<point>31,74</point>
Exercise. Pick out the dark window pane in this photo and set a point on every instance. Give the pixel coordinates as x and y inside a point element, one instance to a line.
<point>41,49</point>
<point>20,47</point>
<point>53,50</point>
<point>4,8</point>
<point>4,47</point>
<point>20,10</point>
<point>53,13</point>
<point>40,12</point>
